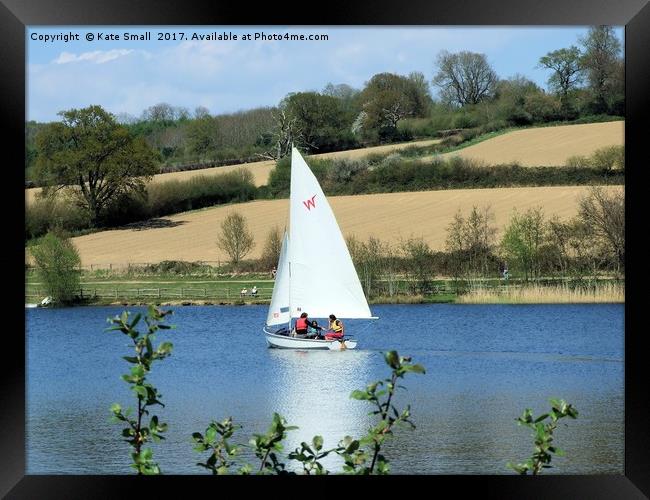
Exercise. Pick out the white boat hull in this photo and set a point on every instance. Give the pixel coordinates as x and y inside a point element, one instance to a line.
<point>287,342</point>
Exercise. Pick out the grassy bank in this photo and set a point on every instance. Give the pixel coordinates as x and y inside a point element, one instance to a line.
<point>100,288</point>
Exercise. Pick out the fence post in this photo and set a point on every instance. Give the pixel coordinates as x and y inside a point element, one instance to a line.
<point>205,292</point>
<point>181,292</point>
<point>159,293</point>
<point>116,294</point>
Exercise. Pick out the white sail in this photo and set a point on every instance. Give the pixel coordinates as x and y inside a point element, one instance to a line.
<point>279,309</point>
<point>323,280</point>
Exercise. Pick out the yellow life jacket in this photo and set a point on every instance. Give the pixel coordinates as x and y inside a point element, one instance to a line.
<point>336,326</point>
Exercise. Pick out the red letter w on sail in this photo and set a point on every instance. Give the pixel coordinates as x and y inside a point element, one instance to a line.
<point>310,203</point>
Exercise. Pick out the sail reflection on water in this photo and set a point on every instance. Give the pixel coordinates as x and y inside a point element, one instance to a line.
<point>312,391</point>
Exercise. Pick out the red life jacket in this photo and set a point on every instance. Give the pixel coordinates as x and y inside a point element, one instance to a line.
<point>301,324</point>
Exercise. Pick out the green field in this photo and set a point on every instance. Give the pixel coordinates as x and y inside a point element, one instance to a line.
<point>103,288</point>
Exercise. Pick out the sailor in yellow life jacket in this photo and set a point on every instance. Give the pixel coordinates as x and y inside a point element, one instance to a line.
<point>335,328</point>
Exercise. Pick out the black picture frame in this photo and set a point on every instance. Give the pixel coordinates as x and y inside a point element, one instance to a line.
<point>15,15</point>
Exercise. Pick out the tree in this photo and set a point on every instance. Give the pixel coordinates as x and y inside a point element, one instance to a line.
<point>603,67</point>
<point>604,215</point>
<point>464,78</point>
<point>319,117</point>
<point>470,241</point>
<point>235,238</point>
<point>286,133</point>
<point>58,264</point>
<point>566,65</point>
<point>272,248</point>
<point>202,136</point>
<point>388,98</point>
<point>523,240</point>
<point>419,259</point>
<point>92,152</point>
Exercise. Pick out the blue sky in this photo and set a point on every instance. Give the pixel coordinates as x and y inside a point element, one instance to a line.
<point>226,76</point>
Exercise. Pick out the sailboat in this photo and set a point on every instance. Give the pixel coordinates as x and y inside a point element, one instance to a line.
<point>315,273</point>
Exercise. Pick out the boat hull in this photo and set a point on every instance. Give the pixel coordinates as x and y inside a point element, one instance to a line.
<point>287,342</point>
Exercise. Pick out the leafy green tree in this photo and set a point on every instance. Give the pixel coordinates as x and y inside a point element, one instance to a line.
<point>387,98</point>
<point>566,67</point>
<point>58,265</point>
<point>510,99</point>
<point>603,67</point>
<point>89,150</point>
<point>320,118</point>
<point>202,138</point>
<point>523,241</point>
<point>464,78</point>
<point>235,238</point>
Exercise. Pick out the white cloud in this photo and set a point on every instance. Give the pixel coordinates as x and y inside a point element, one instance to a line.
<point>97,56</point>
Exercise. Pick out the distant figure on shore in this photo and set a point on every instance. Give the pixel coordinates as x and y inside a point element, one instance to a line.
<point>273,273</point>
<point>254,291</point>
<point>243,292</point>
<point>506,275</point>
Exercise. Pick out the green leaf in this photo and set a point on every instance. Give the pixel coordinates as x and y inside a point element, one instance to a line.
<point>417,368</point>
<point>392,359</point>
<point>135,321</point>
<point>318,442</point>
<point>361,395</point>
<point>140,390</point>
<point>210,434</point>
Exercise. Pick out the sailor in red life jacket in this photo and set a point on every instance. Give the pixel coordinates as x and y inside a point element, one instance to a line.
<point>301,325</point>
<point>335,329</point>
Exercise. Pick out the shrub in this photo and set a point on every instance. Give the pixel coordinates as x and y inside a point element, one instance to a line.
<point>58,265</point>
<point>609,158</point>
<point>342,169</point>
<point>465,120</point>
<point>605,159</point>
<point>493,126</point>
<point>46,214</point>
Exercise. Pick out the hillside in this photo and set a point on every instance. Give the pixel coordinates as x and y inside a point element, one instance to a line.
<point>545,146</point>
<point>191,236</point>
<point>540,146</point>
<point>262,169</point>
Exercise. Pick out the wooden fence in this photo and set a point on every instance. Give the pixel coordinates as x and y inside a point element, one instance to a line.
<point>163,293</point>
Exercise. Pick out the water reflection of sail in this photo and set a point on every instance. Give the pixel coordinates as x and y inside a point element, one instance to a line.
<point>312,391</point>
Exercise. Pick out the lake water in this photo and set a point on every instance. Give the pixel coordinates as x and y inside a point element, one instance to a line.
<point>484,365</point>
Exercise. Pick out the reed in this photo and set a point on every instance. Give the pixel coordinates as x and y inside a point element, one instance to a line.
<point>536,294</point>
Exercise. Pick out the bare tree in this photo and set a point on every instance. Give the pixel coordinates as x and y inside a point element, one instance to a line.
<point>272,248</point>
<point>285,134</point>
<point>464,77</point>
<point>471,240</point>
<point>605,216</point>
<point>235,238</point>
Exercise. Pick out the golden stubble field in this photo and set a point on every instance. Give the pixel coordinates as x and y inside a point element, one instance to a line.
<point>545,146</point>
<point>192,236</point>
<point>262,169</point>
